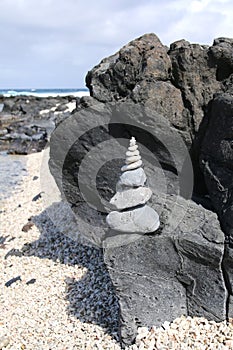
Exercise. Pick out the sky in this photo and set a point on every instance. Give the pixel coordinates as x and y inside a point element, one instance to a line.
<point>53,43</point>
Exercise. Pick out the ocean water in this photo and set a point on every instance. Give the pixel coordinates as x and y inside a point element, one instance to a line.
<point>45,92</point>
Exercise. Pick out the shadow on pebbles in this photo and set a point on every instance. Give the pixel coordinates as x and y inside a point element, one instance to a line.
<point>91,298</point>
<point>55,291</point>
<point>89,294</point>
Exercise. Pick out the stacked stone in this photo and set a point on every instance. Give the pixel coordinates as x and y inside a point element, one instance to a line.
<point>131,213</point>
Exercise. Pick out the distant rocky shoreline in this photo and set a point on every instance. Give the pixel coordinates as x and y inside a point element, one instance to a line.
<point>26,122</point>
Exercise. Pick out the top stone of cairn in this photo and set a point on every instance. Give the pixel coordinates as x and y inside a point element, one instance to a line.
<point>133,158</point>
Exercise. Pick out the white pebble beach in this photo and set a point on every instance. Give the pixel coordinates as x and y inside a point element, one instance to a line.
<point>63,297</point>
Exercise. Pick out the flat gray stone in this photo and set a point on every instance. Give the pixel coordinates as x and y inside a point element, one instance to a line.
<point>140,220</point>
<point>132,166</point>
<point>132,178</point>
<point>131,198</point>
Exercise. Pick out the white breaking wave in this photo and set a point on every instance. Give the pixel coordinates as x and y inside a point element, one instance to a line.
<point>52,93</point>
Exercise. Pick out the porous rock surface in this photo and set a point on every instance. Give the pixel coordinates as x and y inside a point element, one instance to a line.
<point>217,159</point>
<point>176,272</point>
<point>177,83</point>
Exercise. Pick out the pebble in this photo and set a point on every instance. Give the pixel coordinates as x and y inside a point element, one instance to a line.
<point>12,280</point>
<point>31,281</point>
<point>27,226</point>
<point>65,299</point>
<point>4,341</point>
<point>132,166</point>
<point>38,196</point>
<point>133,148</point>
<point>132,159</point>
<point>186,333</point>
<point>142,332</point>
<point>132,153</point>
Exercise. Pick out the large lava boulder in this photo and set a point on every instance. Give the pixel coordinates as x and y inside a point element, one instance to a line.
<point>173,101</point>
<point>178,83</point>
<point>142,72</point>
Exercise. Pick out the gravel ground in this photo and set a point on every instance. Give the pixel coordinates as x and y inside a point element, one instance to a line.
<point>56,292</point>
<point>186,333</point>
<point>62,296</point>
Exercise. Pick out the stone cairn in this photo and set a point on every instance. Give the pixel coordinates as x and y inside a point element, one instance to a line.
<point>131,214</point>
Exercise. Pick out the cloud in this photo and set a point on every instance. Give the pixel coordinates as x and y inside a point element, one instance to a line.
<point>49,43</point>
<point>203,20</point>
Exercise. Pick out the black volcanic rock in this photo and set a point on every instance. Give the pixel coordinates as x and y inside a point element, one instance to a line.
<point>143,59</point>
<point>194,73</point>
<point>141,72</point>
<point>222,55</point>
<point>178,83</point>
<point>173,101</point>
<point>27,121</point>
<point>177,271</point>
<point>217,158</point>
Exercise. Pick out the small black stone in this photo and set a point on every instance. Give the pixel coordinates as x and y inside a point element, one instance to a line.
<point>13,280</point>
<point>3,239</point>
<point>35,178</point>
<point>38,196</point>
<point>31,281</point>
<point>14,252</point>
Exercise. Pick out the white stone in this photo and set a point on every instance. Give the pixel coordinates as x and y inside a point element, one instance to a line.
<point>132,178</point>
<point>131,197</point>
<point>133,148</point>
<point>132,166</point>
<point>132,159</point>
<point>142,332</point>
<point>166,325</point>
<point>139,220</point>
<point>132,153</point>
<point>132,141</point>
